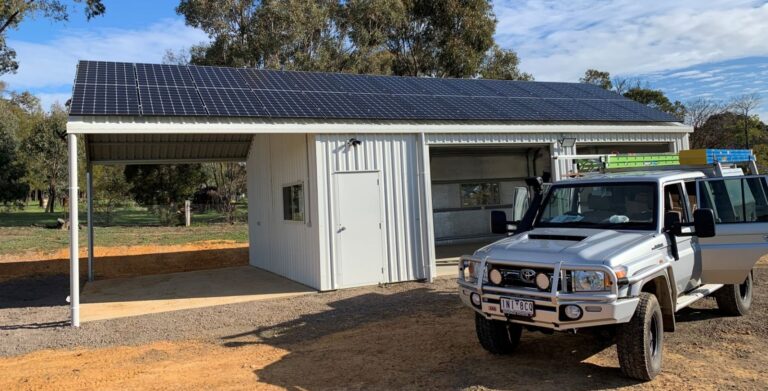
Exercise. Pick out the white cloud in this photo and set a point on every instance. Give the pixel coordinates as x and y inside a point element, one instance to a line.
<point>559,40</point>
<point>52,64</point>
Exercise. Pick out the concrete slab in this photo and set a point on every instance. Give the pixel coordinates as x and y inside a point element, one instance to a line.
<point>449,271</point>
<point>450,253</point>
<point>121,297</point>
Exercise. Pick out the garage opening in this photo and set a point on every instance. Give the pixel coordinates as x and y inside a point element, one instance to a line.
<point>614,148</point>
<point>469,182</point>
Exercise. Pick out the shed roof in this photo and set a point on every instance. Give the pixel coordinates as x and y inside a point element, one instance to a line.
<point>151,90</point>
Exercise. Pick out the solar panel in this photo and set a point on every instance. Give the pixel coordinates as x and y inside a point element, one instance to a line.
<point>230,102</point>
<point>112,99</point>
<point>99,72</point>
<point>218,77</point>
<point>163,75</point>
<point>107,88</point>
<point>170,101</point>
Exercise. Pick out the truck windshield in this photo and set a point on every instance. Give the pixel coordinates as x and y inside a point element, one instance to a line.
<point>611,206</point>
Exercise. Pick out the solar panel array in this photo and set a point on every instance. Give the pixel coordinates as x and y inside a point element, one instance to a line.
<point>110,88</point>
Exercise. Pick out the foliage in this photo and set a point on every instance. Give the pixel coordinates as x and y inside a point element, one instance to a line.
<point>12,171</point>
<point>656,99</point>
<point>229,179</point>
<point>110,190</point>
<point>46,150</point>
<point>726,130</point>
<point>163,188</point>
<point>599,78</point>
<point>451,38</point>
<point>502,64</point>
<point>13,12</point>
<point>636,90</point>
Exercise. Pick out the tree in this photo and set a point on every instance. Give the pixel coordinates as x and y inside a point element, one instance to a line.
<point>162,188</point>
<point>657,100</point>
<point>12,171</point>
<point>46,150</point>
<point>725,130</point>
<point>502,64</point>
<point>743,105</point>
<point>110,190</point>
<point>13,12</point>
<point>697,113</point>
<point>230,180</point>
<point>598,78</point>
<point>451,38</point>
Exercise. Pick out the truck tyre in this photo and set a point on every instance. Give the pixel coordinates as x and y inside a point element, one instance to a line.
<point>735,299</point>
<point>639,342</point>
<point>496,336</point>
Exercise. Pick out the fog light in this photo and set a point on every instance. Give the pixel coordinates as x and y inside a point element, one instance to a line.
<point>572,311</point>
<point>495,276</point>
<point>475,299</point>
<point>542,281</point>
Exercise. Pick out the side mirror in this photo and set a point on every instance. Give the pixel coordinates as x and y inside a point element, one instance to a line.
<point>704,222</point>
<point>499,222</point>
<point>672,222</point>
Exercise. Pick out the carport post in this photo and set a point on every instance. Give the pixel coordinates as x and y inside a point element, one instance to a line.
<point>89,198</point>
<point>74,248</point>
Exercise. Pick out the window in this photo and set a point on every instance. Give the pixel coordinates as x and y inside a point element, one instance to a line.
<point>613,206</point>
<point>293,202</point>
<point>480,194</point>
<point>674,202</point>
<point>736,200</point>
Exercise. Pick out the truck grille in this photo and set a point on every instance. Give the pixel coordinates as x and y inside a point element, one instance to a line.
<point>524,277</point>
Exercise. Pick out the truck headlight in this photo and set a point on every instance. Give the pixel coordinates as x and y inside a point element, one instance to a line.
<point>589,281</point>
<point>470,270</point>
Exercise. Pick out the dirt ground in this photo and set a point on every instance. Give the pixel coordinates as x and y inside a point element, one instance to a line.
<point>128,261</point>
<point>408,336</point>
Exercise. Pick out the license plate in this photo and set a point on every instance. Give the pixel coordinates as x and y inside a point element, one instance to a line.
<point>518,307</point>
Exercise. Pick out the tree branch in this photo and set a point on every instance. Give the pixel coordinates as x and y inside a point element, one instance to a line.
<point>14,16</point>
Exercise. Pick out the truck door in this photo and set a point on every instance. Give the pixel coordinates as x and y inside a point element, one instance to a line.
<point>741,215</point>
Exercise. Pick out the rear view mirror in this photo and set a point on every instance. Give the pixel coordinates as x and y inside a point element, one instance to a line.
<point>704,222</point>
<point>499,222</point>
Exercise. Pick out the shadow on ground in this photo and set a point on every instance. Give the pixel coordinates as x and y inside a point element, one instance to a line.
<point>421,338</point>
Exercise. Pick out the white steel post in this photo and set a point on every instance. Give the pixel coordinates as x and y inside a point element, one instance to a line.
<point>74,256</point>
<point>89,197</point>
<point>426,202</point>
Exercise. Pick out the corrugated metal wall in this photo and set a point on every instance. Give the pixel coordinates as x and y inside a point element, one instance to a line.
<point>287,248</point>
<point>396,156</point>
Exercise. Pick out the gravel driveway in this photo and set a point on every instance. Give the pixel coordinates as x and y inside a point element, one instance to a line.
<point>404,336</point>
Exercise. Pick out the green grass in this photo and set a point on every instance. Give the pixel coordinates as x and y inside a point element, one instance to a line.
<point>34,216</point>
<point>25,230</point>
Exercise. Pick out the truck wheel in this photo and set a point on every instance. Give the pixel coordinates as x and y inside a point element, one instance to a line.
<point>735,299</point>
<point>639,342</point>
<point>496,336</point>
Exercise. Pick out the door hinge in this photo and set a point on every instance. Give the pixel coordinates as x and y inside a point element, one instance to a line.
<point>379,225</point>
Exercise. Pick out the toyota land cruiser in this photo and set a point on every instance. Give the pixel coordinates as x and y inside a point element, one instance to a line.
<point>624,250</point>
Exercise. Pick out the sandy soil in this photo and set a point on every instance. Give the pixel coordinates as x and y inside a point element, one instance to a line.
<point>356,346</point>
<point>127,261</point>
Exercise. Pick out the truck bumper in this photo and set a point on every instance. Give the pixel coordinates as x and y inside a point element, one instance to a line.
<point>549,314</point>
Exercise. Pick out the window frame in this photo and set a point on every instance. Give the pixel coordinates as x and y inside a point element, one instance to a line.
<point>742,179</point>
<point>302,203</point>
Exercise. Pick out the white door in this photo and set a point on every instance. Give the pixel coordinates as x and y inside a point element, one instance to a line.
<point>741,216</point>
<point>359,242</point>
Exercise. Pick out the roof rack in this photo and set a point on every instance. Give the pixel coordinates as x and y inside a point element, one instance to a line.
<point>715,162</point>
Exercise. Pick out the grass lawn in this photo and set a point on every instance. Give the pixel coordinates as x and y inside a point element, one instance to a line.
<point>23,231</point>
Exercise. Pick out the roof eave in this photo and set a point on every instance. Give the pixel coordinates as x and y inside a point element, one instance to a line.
<point>234,125</point>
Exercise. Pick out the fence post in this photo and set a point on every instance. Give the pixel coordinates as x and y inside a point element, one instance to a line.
<point>187,213</point>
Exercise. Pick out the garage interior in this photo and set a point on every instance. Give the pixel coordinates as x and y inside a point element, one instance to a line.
<point>469,182</point>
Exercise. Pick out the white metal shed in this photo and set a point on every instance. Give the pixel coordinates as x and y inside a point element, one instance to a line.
<point>343,202</point>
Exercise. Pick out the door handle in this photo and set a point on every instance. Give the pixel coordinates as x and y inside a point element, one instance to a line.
<point>341,229</point>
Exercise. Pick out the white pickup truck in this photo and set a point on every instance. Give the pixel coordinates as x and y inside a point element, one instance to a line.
<point>626,250</point>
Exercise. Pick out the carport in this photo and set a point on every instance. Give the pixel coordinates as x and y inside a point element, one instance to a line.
<point>352,179</point>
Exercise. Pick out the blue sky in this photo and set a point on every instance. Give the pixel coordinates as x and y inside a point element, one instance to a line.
<point>688,48</point>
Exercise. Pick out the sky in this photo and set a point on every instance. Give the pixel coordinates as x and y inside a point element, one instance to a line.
<point>689,48</point>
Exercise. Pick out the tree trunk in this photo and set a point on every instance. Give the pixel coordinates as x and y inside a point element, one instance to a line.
<point>51,198</point>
